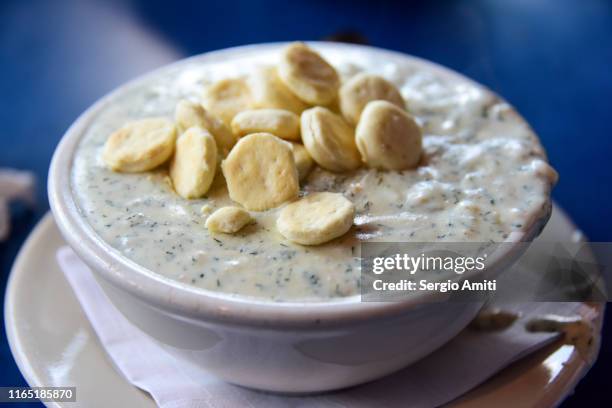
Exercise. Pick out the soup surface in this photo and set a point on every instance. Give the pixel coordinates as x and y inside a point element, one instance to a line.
<point>483,176</point>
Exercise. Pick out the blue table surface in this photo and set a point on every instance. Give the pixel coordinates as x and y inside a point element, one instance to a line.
<point>549,58</point>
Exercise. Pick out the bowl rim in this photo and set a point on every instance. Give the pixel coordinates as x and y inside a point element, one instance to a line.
<point>187,301</point>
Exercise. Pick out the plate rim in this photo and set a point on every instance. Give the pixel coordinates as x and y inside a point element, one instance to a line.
<point>10,325</point>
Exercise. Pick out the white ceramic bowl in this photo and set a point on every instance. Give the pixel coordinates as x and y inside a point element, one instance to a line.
<point>282,347</point>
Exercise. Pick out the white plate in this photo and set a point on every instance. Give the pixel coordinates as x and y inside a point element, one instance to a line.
<point>54,345</point>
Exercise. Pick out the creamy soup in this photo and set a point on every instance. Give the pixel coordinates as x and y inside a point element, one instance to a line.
<point>482,177</point>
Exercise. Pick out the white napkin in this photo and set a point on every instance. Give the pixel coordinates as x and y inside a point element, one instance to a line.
<point>14,185</point>
<point>457,367</point>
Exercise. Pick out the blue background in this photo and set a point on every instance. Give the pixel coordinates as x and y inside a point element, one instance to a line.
<point>550,58</point>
